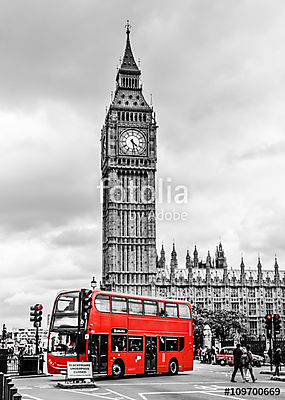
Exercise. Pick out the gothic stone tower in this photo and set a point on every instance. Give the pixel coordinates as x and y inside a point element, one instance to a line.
<point>128,164</point>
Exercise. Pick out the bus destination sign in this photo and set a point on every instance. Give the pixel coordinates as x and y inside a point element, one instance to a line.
<point>119,330</point>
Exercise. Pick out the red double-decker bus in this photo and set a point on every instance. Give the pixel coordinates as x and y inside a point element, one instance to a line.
<point>123,334</point>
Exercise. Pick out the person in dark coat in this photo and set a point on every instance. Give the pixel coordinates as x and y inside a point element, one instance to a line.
<point>237,353</point>
<point>277,362</point>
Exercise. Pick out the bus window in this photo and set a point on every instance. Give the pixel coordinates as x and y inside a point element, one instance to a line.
<point>118,343</point>
<point>171,310</point>
<point>135,306</point>
<point>161,312</point>
<point>162,343</point>
<point>102,303</point>
<point>64,321</point>
<point>119,305</point>
<point>181,343</point>
<point>184,311</point>
<point>150,307</point>
<point>171,344</point>
<point>135,343</point>
<point>67,302</point>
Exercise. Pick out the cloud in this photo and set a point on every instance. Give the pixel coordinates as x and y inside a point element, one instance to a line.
<point>76,237</point>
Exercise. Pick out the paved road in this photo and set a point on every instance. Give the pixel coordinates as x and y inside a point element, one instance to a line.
<point>205,382</point>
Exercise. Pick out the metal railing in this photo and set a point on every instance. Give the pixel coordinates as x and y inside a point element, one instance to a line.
<point>7,389</point>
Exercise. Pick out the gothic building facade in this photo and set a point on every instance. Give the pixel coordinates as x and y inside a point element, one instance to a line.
<point>130,263</point>
<point>212,285</point>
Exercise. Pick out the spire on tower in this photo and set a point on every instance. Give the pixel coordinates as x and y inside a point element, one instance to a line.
<point>129,63</point>
<point>128,27</point>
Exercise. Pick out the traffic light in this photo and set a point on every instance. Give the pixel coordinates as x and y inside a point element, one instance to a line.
<point>268,325</point>
<point>86,296</point>
<point>36,312</point>
<point>33,314</point>
<point>276,323</point>
<point>39,313</point>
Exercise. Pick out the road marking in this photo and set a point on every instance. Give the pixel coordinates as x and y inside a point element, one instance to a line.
<point>33,397</point>
<point>123,395</point>
<point>150,393</point>
<point>102,395</point>
<point>99,395</point>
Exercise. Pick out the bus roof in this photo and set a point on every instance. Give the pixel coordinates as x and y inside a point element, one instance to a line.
<point>97,291</point>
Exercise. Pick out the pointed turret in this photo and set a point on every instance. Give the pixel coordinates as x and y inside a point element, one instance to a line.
<point>242,270</point>
<point>173,262</point>
<point>208,267</point>
<point>162,260</point>
<point>276,272</point>
<point>219,256</point>
<point>259,271</point>
<point>189,266</point>
<point>195,254</point>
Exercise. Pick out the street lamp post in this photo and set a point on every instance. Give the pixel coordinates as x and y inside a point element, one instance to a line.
<point>93,283</point>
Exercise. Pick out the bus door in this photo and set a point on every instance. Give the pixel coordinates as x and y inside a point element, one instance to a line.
<point>150,354</point>
<point>98,352</point>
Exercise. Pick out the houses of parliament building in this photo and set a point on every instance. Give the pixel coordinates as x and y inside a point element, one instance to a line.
<point>130,262</point>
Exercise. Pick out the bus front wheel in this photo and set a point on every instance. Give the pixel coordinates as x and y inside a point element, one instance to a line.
<point>117,370</point>
<point>173,366</point>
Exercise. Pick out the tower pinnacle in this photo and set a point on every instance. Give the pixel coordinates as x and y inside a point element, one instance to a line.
<point>128,27</point>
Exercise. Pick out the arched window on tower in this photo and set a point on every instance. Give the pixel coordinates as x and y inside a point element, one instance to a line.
<point>127,116</point>
<point>123,116</point>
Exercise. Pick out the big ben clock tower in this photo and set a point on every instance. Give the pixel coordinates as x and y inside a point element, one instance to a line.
<point>128,164</point>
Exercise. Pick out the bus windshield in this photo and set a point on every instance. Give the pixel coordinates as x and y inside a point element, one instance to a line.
<point>66,311</point>
<point>62,343</point>
<point>67,303</point>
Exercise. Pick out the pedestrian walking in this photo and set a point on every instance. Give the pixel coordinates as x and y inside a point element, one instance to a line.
<point>277,361</point>
<point>214,354</point>
<point>237,353</point>
<point>198,353</point>
<point>209,355</point>
<point>248,364</point>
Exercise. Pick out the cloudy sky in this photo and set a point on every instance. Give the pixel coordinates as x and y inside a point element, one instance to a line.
<point>215,69</point>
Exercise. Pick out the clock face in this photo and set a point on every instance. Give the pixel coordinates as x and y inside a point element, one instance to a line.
<point>132,142</point>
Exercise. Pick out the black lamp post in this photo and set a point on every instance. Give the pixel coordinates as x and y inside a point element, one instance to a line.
<point>93,283</point>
